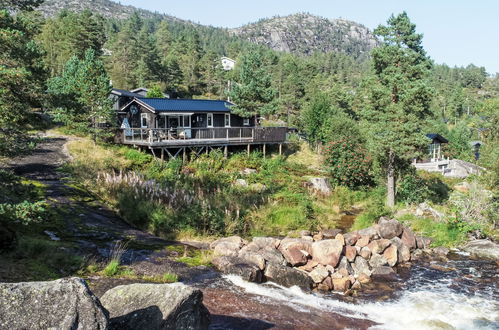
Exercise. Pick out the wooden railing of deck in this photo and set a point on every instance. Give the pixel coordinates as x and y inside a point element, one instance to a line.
<point>215,134</point>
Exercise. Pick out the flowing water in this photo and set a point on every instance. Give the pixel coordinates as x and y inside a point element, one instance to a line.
<point>459,294</point>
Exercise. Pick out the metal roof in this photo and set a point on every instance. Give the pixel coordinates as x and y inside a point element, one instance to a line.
<point>179,105</point>
<point>438,137</point>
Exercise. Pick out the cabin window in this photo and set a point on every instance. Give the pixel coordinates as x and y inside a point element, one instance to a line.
<point>246,121</point>
<point>143,120</point>
<point>227,120</point>
<point>210,120</point>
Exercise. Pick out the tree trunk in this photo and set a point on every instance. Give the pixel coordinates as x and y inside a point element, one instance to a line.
<point>390,182</point>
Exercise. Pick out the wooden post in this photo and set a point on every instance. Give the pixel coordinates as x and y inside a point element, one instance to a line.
<point>249,149</point>
<point>280,149</point>
<point>207,149</point>
<point>264,149</point>
<point>226,151</point>
<point>184,155</point>
<point>162,153</point>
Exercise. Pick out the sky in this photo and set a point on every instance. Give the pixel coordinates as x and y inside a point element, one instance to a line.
<point>456,32</point>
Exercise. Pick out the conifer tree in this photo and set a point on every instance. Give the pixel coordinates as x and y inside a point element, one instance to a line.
<point>253,93</point>
<point>399,97</point>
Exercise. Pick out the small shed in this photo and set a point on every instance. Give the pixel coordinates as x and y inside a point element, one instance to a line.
<point>435,147</point>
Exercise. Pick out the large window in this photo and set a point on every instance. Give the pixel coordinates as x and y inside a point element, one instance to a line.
<point>227,120</point>
<point>210,120</point>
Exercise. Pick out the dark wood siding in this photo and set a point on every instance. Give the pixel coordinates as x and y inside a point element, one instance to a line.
<point>218,120</point>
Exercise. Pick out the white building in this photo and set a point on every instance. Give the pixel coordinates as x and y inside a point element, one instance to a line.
<point>228,63</point>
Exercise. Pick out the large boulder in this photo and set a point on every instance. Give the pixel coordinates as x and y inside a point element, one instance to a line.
<point>295,250</point>
<point>389,228</point>
<point>403,251</point>
<point>287,276</point>
<point>320,185</point>
<point>327,252</point>
<point>62,304</point>
<point>391,255</point>
<point>237,266</point>
<point>253,258</point>
<point>227,246</point>
<point>330,233</point>
<point>377,260</point>
<point>263,242</point>
<point>483,248</point>
<point>408,238</point>
<point>371,232</point>
<point>319,273</point>
<point>379,245</point>
<point>360,266</point>
<point>156,306</point>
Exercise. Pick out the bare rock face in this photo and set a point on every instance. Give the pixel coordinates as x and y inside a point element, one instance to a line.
<point>389,228</point>
<point>62,304</point>
<point>391,255</point>
<point>156,306</point>
<point>295,250</point>
<point>384,271</point>
<point>327,252</point>
<point>237,266</point>
<point>287,276</point>
<point>408,238</point>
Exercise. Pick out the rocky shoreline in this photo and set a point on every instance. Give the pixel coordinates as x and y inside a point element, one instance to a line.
<point>328,260</point>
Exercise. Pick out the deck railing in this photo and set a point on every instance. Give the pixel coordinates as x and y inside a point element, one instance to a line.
<point>216,134</point>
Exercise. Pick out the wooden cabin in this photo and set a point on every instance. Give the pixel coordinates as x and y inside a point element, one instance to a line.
<point>174,125</point>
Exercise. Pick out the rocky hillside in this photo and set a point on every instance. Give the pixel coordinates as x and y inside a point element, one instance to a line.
<point>305,34</point>
<point>107,8</point>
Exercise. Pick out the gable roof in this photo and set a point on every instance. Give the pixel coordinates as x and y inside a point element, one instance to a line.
<point>438,137</point>
<point>166,105</point>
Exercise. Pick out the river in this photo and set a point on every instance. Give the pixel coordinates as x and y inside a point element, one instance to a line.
<point>461,293</point>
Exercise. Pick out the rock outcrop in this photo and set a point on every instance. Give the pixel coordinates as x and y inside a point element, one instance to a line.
<point>61,304</point>
<point>156,306</point>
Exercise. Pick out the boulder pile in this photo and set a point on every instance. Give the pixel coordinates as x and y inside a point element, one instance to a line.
<point>326,260</point>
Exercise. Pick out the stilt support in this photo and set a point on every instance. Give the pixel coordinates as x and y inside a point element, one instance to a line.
<point>249,149</point>
<point>280,149</point>
<point>264,149</point>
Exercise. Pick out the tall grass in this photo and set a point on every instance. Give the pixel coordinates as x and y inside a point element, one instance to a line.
<point>116,254</point>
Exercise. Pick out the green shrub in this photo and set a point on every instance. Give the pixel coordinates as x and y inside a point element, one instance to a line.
<point>349,164</point>
<point>417,187</point>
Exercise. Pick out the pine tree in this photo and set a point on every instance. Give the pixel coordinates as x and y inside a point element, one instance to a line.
<point>398,97</point>
<point>253,93</point>
<point>22,75</point>
<point>81,93</point>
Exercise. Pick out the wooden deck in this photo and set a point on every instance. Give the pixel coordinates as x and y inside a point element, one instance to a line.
<point>198,137</point>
